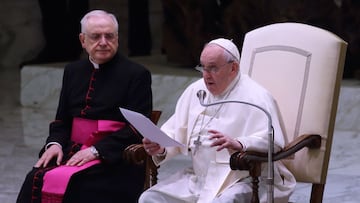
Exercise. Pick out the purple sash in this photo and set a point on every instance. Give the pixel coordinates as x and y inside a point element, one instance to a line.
<point>86,132</point>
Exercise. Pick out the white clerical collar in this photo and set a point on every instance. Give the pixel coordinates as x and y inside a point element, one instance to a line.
<point>96,66</point>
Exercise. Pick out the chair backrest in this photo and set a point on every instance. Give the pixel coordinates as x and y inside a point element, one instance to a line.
<point>302,66</point>
<point>155,116</point>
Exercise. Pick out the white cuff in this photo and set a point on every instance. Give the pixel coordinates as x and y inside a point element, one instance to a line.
<point>162,154</point>
<point>52,143</point>
<point>243,145</point>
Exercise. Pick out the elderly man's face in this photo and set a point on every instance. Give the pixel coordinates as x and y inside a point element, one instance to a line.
<point>100,39</point>
<point>217,72</point>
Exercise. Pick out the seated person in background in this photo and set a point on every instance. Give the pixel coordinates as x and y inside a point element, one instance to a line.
<point>82,159</point>
<point>211,134</point>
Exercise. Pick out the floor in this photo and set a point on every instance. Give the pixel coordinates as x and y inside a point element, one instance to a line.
<point>18,154</point>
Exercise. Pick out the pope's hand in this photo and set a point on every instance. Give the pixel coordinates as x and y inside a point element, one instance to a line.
<point>152,148</point>
<point>222,141</point>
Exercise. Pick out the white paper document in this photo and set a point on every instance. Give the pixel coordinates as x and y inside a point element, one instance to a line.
<point>148,129</point>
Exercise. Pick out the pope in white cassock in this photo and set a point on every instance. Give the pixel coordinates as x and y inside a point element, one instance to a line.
<point>211,134</point>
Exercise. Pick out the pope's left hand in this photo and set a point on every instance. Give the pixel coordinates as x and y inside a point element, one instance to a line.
<point>222,141</point>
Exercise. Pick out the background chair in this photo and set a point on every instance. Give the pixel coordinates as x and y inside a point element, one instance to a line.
<point>302,67</point>
<point>136,154</point>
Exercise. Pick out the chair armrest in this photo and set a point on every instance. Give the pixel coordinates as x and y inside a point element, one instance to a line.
<point>135,153</point>
<point>240,160</point>
<point>251,160</point>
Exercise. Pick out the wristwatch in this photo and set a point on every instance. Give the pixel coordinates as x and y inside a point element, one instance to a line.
<point>94,151</point>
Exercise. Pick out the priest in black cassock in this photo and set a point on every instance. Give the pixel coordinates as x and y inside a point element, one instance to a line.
<point>82,157</point>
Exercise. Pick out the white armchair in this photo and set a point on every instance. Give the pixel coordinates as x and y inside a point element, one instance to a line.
<point>302,66</point>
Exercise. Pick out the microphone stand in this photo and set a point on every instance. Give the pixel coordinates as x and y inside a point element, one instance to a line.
<point>270,179</point>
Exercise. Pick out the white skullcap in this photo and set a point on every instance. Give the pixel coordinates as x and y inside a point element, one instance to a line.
<point>228,45</point>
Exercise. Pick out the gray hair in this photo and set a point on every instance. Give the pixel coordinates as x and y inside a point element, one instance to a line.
<point>84,20</point>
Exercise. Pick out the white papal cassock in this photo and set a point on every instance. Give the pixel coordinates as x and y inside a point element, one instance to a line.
<point>211,176</point>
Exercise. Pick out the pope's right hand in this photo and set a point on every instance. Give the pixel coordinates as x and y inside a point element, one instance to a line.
<point>152,148</point>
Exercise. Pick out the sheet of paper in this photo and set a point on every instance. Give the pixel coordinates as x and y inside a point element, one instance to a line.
<point>148,129</point>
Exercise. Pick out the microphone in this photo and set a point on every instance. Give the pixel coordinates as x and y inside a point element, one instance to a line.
<point>201,94</point>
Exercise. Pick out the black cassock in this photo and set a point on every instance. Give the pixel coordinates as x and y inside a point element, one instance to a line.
<point>97,94</point>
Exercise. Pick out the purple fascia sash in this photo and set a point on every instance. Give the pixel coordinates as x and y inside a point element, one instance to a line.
<point>86,132</point>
